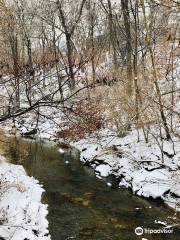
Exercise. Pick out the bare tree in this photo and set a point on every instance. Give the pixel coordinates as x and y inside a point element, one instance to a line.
<point>69,31</point>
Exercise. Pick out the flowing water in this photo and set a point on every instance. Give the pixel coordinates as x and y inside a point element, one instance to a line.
<point>82,207</point>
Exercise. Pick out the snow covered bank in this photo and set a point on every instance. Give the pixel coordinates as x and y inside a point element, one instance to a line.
<point>136,165</point>
<point>22,215</point>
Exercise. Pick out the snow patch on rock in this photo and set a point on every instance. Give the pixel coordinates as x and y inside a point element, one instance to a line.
<point>104,170</point>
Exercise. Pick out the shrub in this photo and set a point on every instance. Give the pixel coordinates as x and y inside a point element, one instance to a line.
<point>84,119</point>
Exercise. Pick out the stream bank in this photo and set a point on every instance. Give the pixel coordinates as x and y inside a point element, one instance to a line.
<point>137,166</point>
<point>23,216</point>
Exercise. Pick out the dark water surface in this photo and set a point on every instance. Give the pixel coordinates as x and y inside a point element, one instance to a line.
<point>82,207</point>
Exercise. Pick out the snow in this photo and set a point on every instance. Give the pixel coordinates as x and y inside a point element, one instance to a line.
<point>61,150</point>
<point>151,184</point>
<point>168,147</point>
<point>104,170</point>
<point>137,165</point>
<point>109,184</point>
<point>160,222</point>
<point>22,214</point>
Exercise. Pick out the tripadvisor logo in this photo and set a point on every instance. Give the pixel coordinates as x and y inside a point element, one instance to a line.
<point>139,231</point>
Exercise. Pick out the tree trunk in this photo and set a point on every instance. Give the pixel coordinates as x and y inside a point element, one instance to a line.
<point>91,23</point>
<point>14,50</point>
<point>112,37</point>
<point>30,70</point>
<point>57,67</point>
<point>70,62</point>
<point>129,53</point>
